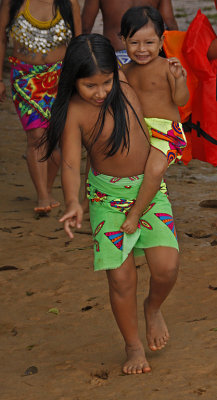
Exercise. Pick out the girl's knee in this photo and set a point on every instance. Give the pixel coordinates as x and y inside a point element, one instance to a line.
<point>34,135</point>
<point>166,271</point>
<point>121,283</point>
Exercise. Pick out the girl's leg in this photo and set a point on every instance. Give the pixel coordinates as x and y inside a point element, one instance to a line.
<point>38,170</point>
<point>163,265</point>
<point>53,168</point>
<point>122,289</point>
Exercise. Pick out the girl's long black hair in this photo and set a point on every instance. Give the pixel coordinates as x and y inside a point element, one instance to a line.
<point>87,55</point>
<point>64,7</point>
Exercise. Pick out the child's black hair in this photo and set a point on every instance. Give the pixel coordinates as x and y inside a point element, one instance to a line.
<point>87,55</point>
<point>137,17</point>
<point>64,7</point>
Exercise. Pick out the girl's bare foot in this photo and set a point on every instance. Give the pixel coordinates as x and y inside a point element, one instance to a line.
<point>136,361</point>
<point>54,203</point>
<point>43,207</point>
<point>156,329</point>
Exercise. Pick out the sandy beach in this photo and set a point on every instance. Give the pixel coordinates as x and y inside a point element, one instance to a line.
<point>55,311</point>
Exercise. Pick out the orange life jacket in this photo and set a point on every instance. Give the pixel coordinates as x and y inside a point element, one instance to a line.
<point>173,42</point>
<point>197,41</point>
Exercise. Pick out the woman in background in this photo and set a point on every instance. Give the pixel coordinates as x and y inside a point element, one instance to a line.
<point>40,31</point>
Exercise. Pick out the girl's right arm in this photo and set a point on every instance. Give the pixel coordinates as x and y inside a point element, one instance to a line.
<point>4,19</point>
<point>71,159</point>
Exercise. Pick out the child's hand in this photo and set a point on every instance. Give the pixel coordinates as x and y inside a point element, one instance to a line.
<point>130,225</point>
<point>176,68</point>
<point>72,218</point>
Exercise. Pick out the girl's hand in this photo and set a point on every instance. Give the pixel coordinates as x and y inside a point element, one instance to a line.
<point>72,218</point>
<point>130,225</point>
<point>176,68</point>
<point>2,92</point>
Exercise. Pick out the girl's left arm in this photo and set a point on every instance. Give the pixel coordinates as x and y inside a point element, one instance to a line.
<point>177,77</point>
<point>76,17</point>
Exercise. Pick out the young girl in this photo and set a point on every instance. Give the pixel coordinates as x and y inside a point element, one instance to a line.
<point>40,31</point>
<point>92,108</point>
<point>159,83</point>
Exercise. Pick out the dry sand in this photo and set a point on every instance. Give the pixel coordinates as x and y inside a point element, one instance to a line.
<point>78,352</point>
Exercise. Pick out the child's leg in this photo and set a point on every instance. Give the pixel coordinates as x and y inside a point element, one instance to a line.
<point>122,288</point>
<point>38,170</point>
<point>163,265</point>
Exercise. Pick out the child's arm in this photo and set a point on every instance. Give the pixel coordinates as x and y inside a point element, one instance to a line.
<point>71,158</point>
<point>155,168</point>
<point>177,77</point>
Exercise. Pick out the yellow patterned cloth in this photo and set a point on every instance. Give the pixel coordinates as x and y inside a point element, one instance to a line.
<point>167,136</point>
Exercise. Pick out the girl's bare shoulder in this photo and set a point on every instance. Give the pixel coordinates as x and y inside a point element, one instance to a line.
<point>82,112</point>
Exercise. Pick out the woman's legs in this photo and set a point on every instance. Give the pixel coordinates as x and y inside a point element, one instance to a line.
<point>163,265</point>
<point>53,165</point>
<point>122,288</point>
<point>42,173</point>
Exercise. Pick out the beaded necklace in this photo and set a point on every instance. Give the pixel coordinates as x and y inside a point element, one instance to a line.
<point>36,36</point>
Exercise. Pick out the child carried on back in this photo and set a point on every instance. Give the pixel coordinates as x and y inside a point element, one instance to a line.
<point>94,108</point>
<point>159,83</point>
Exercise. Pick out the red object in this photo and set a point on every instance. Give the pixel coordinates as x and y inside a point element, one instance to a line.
<point>197,41</point>
<point>173,42</point>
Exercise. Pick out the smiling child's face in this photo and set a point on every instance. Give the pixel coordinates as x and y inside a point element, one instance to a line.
<point>144,46</point>
<point>96,88</point>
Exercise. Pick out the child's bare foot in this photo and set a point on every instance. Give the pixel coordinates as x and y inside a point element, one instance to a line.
<point>54,203</point>
<point>136,361</point>
<point>156,329</point>
<point>43,207</point>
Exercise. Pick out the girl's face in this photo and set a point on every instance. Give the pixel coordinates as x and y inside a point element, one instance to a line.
<point>144,46</point>
<point>96,88</point>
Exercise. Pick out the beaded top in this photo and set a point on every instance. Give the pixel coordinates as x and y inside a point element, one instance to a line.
<point>36,36</point>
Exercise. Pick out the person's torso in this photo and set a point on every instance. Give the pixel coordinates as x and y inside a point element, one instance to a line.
<point>112,12</point>
<point>39,36</point>
<point>123,163</point>
<point>152,87</point>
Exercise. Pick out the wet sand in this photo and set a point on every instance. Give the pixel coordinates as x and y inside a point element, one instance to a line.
<point>55,312</point>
